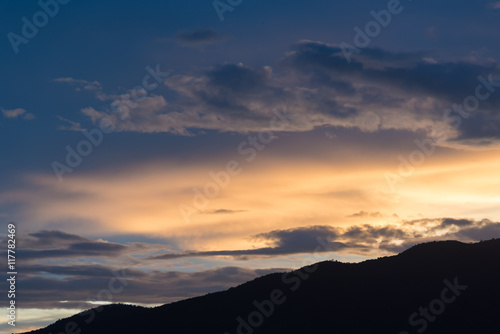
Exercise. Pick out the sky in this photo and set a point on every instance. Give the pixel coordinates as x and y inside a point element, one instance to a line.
<point>156,151</point>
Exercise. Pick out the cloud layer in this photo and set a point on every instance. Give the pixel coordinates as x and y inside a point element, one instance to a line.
<point>71,283</point>
<point>17,113</point>
<point>360,239</point>
<point>378,90</point>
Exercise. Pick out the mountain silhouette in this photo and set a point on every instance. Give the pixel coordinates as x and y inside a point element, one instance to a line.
<point>438,287</point>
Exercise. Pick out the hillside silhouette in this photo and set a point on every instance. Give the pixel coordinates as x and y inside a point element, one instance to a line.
<point>445,287</point>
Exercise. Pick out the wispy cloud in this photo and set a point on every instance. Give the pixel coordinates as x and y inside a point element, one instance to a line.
<point>222,211</point>
<point>364,214</point>
<point>73,126</point>
<point>56,244</point>
<point>17,113</point>
<point>91,86</point>
<point>494,5</point>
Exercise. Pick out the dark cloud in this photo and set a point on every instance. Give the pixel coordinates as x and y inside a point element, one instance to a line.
<point>57,244</point>
<point>360,239</point>
<point>284,242</point>
<point>77,271</point>
<point>364,214</point>
<point>483,129</point>
<point>46,237</point>
<point>231,91</point>
<point>483,230</point>
<point>84,284</point>
<point>238,79</point>
<point>393,248</point>
<point>97,247</point>
<point>302,239</point>
<point>371,233</point>
<point>392,59</point>
<point>241,254</point>
<point>200,37</point>
<point>456,222</point>
<point>406,71</point>
<point>408,75</point>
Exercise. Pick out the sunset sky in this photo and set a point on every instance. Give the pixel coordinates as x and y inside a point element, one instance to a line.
<point>194,154</point>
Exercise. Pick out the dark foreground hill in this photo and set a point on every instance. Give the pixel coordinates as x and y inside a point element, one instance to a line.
<point>440,287</point>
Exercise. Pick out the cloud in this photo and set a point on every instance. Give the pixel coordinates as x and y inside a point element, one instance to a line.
<point>138,116</point>
<point>456,222</point>
<point>56,244</point>
<point>15,113</point>
<point>199,37</point>
<point>483,231</point>
<point>364,214</point>
<point>79,271</point>
<point>91,86</point>
<point>45,285</point>
<point>78,285</point>
<point>494,5</point>
<point>379,90</point>
<point>222,211</point>
<point>403,72</point>
<point>281,242</point>
<point>84,84</point>
<point>44,237</point>
<point>73,126</point>
<point>358,239</point>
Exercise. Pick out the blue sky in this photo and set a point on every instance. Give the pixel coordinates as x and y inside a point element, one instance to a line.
<point>349,137</point>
